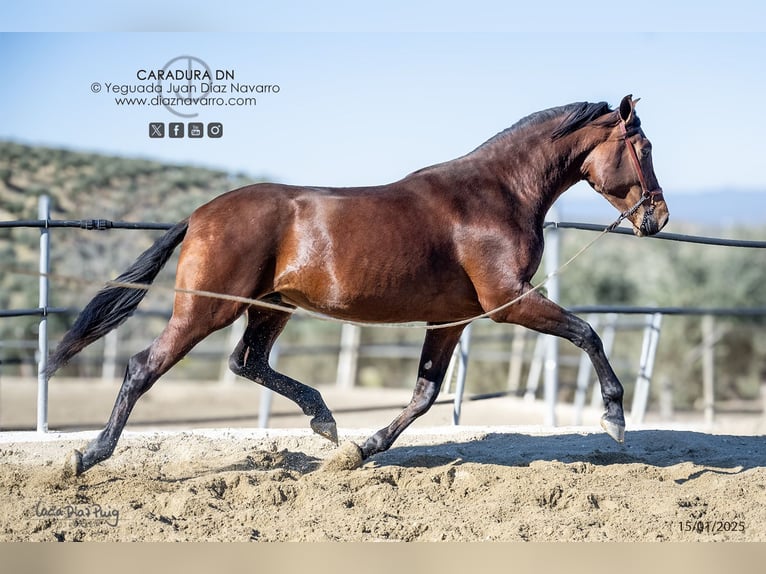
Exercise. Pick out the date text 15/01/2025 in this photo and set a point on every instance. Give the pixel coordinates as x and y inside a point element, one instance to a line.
<point>710,526</point>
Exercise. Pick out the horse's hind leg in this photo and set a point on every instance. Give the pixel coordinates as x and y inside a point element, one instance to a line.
<point>251,360</point>
<point>434,360</point>
<point>146,367</point>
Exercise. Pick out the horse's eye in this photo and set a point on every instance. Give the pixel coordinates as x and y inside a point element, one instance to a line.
<point>646,151</point>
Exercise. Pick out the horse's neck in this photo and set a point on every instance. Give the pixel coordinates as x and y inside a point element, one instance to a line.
<point>536,166</point>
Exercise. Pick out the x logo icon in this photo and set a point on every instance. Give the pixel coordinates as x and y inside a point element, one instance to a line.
<point>156,130</point>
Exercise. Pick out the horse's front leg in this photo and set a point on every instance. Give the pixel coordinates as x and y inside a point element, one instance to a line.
<point>543,315</point>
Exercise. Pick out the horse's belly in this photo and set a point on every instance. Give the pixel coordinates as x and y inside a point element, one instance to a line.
<point>380,297</point>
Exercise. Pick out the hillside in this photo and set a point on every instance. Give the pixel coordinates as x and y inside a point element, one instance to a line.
<point>85,186</point>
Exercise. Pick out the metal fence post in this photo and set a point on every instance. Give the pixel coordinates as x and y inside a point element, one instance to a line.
<point>464,348</point>
<point>516,358</point>
<point>535,368</point>
<point>109,364</point>
<point>646,367</point>
<point>348,357</point>
<point>708,367</point>
<point>43,213</point>
<point>551,378</point>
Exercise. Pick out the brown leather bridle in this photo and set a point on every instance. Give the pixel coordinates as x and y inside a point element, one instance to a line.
<point>651,195</point>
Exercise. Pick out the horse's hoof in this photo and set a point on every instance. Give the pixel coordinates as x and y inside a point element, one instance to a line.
<point>347,457</point>
<point>73,465</point>
<point>614,430</point>
<point>327,430</point>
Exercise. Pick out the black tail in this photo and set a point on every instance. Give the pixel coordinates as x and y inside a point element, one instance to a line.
<point>113,305</point>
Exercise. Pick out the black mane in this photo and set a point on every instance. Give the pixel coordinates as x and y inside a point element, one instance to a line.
<point>581,113</point>
<point>577,114</point>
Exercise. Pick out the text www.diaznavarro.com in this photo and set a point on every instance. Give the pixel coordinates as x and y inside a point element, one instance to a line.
<point>173,101</point>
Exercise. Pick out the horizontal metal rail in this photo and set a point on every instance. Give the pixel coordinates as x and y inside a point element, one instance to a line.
<point>662,235</point>
<point>44,312</point>
<point>88,224</point>
<point>37,312</point>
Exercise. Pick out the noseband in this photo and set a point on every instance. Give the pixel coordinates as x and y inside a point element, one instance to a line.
<point>646,194</point>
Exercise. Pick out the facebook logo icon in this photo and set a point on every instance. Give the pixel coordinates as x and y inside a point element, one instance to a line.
<point>176,130</point>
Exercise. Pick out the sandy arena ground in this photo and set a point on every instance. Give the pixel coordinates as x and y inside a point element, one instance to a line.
<point>469,483</point>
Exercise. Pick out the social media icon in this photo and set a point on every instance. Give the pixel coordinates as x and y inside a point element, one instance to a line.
<point>215,130</point>
<point>176,130</point>
<point>196,129</point>
<point>156,130</point>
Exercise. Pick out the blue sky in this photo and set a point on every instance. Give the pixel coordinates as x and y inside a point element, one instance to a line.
<point>366,105</point>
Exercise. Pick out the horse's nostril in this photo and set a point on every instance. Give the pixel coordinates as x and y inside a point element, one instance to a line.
<point>649,224</point>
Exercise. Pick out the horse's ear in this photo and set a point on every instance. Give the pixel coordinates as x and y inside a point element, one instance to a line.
<point>626,108</point>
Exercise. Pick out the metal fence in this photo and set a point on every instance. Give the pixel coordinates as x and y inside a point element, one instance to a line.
<point>349,348</point>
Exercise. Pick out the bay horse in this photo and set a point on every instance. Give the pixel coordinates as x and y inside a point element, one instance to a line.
<point>445,243</point>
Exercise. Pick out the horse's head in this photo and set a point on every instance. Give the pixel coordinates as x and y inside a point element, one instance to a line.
<point>620,168</point>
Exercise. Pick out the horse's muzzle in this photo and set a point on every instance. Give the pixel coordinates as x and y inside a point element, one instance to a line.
<point>653,221</point>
